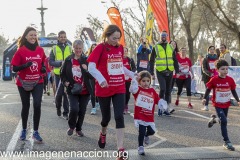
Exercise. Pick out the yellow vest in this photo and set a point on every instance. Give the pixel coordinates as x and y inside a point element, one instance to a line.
<point>164,58</point>
<point>59,56</point>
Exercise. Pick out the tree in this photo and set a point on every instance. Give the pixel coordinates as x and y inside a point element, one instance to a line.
<point>3,43</point>
<point>227,13</point>
<point>186,13</point>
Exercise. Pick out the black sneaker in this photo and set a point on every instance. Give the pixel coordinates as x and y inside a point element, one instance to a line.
<point>173,110</point>
<point>228,145</point>
<point>59,113</point>
<point>212,121</point>
<point>70,131</point>
<point>166,113</point>
<point>102,140</point>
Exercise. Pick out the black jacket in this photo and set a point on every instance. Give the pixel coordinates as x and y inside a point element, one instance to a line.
<point>206,74</point>
<point>67,76</point>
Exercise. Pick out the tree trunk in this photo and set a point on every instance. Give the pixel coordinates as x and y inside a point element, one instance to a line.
<point>190,46</point>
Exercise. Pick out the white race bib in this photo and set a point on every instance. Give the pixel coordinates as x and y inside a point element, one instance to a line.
<point>223,97</point>
<point>145,102</point>
<point>143,64</point>
<point>185,70</point>
<point>115,67</point>
<point>211,65</point>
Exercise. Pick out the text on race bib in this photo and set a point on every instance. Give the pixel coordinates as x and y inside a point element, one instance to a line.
<point>211,65</point>
<point>143,64</point>
<point>223,97</point>
<point>115,66</point>
<point>145,101</point>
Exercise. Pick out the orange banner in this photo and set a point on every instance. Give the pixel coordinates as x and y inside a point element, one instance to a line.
<point>116,19</point>
<point>159,8</point>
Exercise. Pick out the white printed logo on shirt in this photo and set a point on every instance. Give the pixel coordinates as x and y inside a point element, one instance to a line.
<point>115,66</point>
<point>211,65</point>
<point>77,74</point>
<point>145,101</point>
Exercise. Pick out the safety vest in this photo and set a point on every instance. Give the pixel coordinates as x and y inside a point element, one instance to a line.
<point>164,59</point>
<point>59,56</point>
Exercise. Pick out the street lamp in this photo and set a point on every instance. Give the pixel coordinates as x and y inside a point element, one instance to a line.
<point>42,20</point>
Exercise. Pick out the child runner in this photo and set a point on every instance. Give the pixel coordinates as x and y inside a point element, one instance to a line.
<point>145,100</point>
<point>222,86</point>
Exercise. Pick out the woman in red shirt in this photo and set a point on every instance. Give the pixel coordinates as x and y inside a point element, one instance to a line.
<point>183,78</point>
<point>106,66</point>
<point>74,71</point>
<point>28,62</point>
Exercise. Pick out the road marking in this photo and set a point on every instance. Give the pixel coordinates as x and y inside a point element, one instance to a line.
<point>162,139</point>
<point>5,96</point>
<point>196,114</point>
<point>13,142</point>
<point>10,103</point>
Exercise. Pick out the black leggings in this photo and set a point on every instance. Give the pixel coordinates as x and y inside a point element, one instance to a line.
<point>37,93</point>
<point>94,99</point>
<point>186,83</point>
<point>127,85</point>
<point>118,101</point>
<point>144,131</point>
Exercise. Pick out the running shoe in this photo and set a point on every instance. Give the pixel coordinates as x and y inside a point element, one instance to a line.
<point>102,140</point>
<point>177,103</point>
<point>205,108</point>
<point>93,111</point>
<point>141,151</point>
<point>228,145</point>
<point>79,133</point>
<point>159,112</point>
<point>23,135</point>
<point>97,106</point>
<point>166,113</point>
<point>36,137</point>
<point>70,131</point>
<point>190,106</point>
<point>146,140</point>
<point>212,121</point>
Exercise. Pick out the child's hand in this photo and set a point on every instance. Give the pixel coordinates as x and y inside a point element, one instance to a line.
<point>203,101</point>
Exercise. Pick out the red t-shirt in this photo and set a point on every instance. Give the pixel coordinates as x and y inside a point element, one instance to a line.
<point>77,75</point>
<point>221,90</point>
<point>24,55</point>
<point>184,67</point>
<point>128,66</point>
<point>145,101</point>
<point>109,61</point>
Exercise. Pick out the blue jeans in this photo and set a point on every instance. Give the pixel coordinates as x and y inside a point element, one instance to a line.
<point>222,114</point>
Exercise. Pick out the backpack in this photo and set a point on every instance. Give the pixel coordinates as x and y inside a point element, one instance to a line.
<point>233,61</point>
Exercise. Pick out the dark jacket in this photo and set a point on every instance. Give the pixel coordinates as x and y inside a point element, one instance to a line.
<point>67,76</point>
<point>153,57</point>
<point>206,74</point>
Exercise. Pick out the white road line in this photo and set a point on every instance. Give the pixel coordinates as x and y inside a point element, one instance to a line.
<point>5,96</point>
<point>196,114</point>
<point>13,142</point>
<point>162,139</point>
<point>10,103</point>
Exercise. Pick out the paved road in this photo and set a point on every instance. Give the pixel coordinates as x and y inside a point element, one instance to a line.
<point>183,136</point>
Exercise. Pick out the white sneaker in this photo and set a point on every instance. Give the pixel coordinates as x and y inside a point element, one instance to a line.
<point>205,108</point>
<point>97,106</point>
<point>146,140</point>
<point>141,150</point>
<point>93,111</point>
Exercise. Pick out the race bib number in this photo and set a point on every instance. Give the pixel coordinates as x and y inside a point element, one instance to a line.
<point>145,102</point>
<point>185,70</point>
<point>211,65</point>
<point>143,64</point>
<point>223,97</point>
<point>115,66</point>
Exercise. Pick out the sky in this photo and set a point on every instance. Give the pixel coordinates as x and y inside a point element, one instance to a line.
<point>65,15</point>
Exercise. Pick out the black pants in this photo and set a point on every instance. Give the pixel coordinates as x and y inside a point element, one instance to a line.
<point>184,82</point>
<point>118,101</point>
<point>222,115</point>
<point>128,94</point>
<point>78,105</point>
<point>165,82</point>
<point>37,93</point>
<point>59,94</point>
<point>94,99</point>
<point>144,131</point>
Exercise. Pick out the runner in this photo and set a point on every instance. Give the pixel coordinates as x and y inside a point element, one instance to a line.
<point>145,100</point>
<point>106,66</point>
<point>28,62</point>
<point>222,86</point>
<point>73,73</point>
